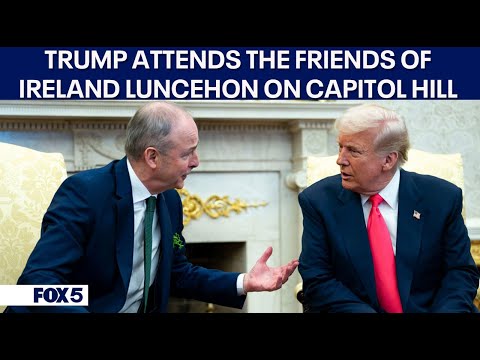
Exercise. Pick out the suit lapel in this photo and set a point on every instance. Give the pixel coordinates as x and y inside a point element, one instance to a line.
<point>352,227</point>
<point>409,231</point>
<point>123,205</point>
<point>124,221</point>
<point>166,243</point>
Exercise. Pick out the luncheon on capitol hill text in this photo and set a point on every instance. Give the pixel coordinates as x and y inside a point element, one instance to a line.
<point>235,89</point>
<point>255,63</point>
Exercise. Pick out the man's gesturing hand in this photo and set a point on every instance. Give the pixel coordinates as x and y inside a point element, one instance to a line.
<point>264,278</point>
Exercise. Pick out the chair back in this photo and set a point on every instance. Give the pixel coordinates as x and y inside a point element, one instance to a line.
<point>28,181</point>
<point>445,166</point>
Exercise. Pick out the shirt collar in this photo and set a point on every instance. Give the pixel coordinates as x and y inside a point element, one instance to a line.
<point>139,191</point>
<point>390,192</point>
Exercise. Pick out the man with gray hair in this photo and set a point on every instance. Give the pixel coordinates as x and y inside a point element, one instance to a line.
<point>94,230</point>
<point>378,238</point>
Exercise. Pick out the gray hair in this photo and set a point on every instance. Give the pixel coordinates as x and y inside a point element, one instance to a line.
<point>150,126</point>
<point>392,135</point>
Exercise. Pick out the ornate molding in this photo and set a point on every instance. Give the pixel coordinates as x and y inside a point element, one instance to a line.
<point>35,124</point>
<point>215,206</point>
<point>256,110</point>
<point>100,124</point>
<point>240,126</point>
<point>296,180</point>
<point>311,124</point>
<point>94,148</point>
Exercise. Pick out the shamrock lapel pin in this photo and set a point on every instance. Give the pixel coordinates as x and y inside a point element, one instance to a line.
<point>177,242</point>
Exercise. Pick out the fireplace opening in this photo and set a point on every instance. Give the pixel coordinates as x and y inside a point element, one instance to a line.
<point>223,256</point>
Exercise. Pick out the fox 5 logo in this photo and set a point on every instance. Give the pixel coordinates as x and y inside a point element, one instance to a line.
<point>60,295</point>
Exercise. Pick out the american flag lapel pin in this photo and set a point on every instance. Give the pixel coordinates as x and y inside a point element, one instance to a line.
<point>416,214</point>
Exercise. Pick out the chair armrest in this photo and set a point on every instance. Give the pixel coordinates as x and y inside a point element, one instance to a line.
<point>299,292</point>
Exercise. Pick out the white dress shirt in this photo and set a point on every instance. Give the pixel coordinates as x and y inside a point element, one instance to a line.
<point>135,287</point>
<point>388,207</point>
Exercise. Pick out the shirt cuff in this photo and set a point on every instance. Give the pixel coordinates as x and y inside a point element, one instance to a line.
<point>240,290</point>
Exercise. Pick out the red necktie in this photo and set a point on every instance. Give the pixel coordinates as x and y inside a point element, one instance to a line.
<point>383,259</point>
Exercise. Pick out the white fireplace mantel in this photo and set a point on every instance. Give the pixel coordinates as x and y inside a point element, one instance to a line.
<point>259,110</point>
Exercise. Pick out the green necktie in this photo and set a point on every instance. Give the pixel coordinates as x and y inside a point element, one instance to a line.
<point>148,247</point>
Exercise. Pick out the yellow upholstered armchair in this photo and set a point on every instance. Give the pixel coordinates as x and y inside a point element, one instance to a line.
<point>446,166</point>
<point>28,181</point>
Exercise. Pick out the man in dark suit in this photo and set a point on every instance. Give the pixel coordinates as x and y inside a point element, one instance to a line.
<point>92,233</point>
<point>433,270</point>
